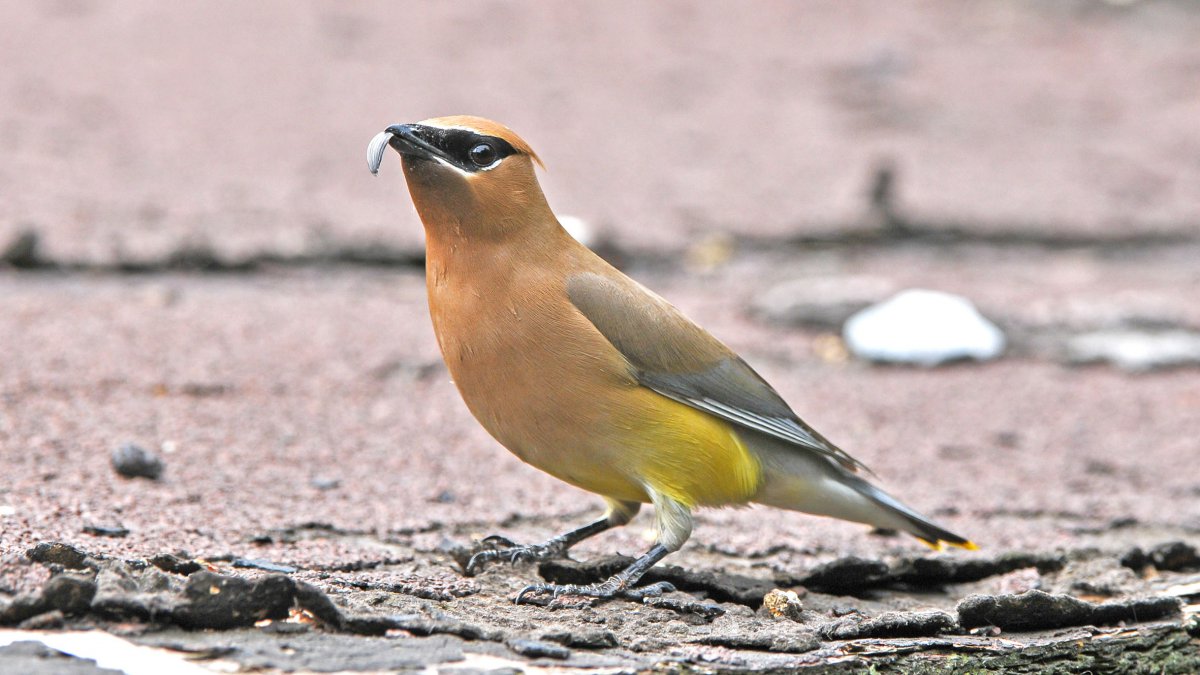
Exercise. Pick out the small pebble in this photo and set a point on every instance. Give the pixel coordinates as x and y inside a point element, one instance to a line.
<point>105,531</point>
<point>321,483</point>
<point>177,564</point>
<point>134,461</point>
<point>783,604</point>
<point>58,553</point>
<point>264,565</point>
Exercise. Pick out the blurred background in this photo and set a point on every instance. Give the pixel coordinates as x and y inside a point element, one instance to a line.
<point>130,127</point>
<point>196,260</point>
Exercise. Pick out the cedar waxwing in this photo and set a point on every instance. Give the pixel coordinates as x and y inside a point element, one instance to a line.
<point>587,375</point>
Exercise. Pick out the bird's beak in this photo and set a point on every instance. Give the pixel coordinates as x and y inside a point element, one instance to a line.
<point>408,140</point>
<point>405,139</point>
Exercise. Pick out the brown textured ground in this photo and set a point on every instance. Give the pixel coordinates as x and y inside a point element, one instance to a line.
<point>305,418</point>
<point>262,391</point>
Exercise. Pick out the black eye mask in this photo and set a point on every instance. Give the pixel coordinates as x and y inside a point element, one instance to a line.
<point>465,149</point>
<point>461,147</point>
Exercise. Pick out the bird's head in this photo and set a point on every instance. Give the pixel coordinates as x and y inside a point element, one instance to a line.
<point>468,176</point>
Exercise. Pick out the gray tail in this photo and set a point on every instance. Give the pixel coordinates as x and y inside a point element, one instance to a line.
<point>920,527</point>
<point>809,483</point>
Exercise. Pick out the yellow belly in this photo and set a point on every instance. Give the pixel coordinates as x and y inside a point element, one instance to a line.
<point>650,441</point>
<point>691,456</point>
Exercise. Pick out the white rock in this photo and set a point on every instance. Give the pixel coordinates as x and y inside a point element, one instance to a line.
<point>922,327</point>
<point>1136,350</point>
<point>577,227</point>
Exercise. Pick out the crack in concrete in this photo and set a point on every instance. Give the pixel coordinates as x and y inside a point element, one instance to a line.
<point>24,253</point>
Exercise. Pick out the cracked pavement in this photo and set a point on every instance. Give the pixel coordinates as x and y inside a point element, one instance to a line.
<point>307,435</point>
<point>256,319</point>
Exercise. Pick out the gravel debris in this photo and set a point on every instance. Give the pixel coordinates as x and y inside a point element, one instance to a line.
<point>783,604</point>
<point>106,530</point>
<point>175,564</point>
<point>68,556</point>
<point>265,565</point>
<point>134,461</point>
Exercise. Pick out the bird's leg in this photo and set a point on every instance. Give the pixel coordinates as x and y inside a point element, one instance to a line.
<point>618,585</point>
<point>619,513</point>
<point>674,521</point>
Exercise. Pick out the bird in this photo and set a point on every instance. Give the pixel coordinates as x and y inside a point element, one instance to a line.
<point>589,376</point>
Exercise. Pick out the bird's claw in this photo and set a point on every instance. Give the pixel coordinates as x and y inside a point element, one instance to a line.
<point>653,590</point>
<point>605,590</point>
<point>512,553</point>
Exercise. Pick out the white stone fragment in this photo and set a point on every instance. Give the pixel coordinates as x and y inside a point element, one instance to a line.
<point>112,652</point>
<point>922,327</point>
<point>1136,350</point>
<point>578,227</point>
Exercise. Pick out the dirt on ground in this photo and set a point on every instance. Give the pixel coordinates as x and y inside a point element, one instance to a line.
<point>228,438</point>
<point>318,468</point>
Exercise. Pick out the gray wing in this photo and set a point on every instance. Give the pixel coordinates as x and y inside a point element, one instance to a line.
<point>674,357</point>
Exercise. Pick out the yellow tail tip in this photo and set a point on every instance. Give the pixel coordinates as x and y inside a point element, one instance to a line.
<point>942,543</point>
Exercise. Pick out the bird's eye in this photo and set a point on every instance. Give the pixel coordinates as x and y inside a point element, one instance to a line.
<point>483,154</point>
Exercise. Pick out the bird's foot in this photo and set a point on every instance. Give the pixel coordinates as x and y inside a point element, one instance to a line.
<point>614,587</point>
<point>506,550</point>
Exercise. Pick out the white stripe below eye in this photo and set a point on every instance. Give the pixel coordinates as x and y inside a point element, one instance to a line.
<point>448,164</point>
